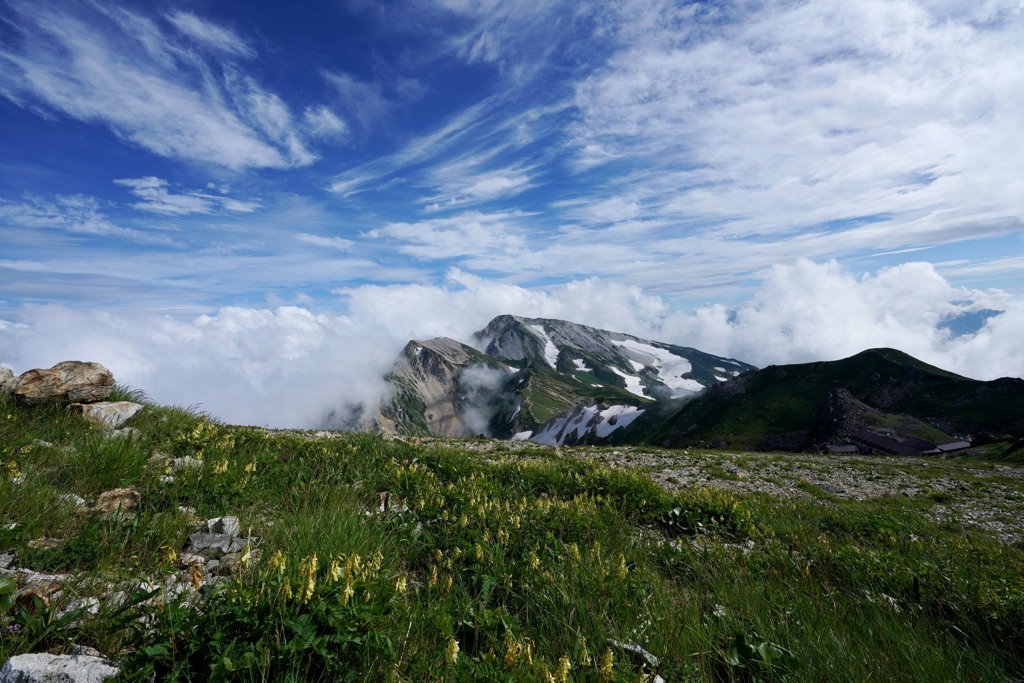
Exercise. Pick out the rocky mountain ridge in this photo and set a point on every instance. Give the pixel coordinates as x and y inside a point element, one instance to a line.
<point>543,379</point>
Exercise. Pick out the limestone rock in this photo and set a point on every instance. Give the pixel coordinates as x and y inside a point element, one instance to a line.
<point>109,415</point>
<point>72,500</point>
<point>71,381</point>
<point>638,656</point>
<point>215,545</point>
<point>6,380</point>
<point>186,463</point>
<point>47,668</point>
<point>118,499</point>
<point>224,525</point>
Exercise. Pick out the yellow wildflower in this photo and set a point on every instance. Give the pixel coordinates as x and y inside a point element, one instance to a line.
<point>400,584</point>
<point>334,570</point>
<point>246,556</point>
<point>308,569</point>
<point>584,654</point>
<point>221,467</point>
<point>606,673</point>
<point>574,552</point>
<point>251,466</point>
<point>623,569</point>
<point>478,551</point>
<point>562,674</point>
<point>278,562</point>
<point>347,594</point>
<point>446,585</point>
<point>451,653</point>
<point>534,560</point>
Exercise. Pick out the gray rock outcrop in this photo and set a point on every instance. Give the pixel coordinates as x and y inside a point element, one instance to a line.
<point>47,668</point>
<point>6,380</point>
<point>109,415</point>
<point>70,381</point>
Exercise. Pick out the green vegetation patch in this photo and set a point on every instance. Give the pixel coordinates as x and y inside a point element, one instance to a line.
<point>385,560</point>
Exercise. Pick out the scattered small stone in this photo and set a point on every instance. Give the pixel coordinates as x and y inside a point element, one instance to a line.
<point>118,499</point>
<point>87,605</point>
<point>45,543</point>
<point>72,500</point>
<point>191,559</point>
<point>186,463</point>
<point>107,415</point>
<point>224,525</point>
<point>6,380</point>
<point>47,668</point>
<point>6,560</point>
<point>128,433</point>
<point>165,479</point>
<point>637,655</point>
<point>215,546</point>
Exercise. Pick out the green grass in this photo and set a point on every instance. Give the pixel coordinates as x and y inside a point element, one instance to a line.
<point>525,561</point>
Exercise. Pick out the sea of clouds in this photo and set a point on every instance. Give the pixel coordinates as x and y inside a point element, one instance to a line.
<point>293,367</point>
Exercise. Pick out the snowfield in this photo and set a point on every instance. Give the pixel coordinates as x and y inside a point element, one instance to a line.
<point>670,367</point>
<point>586,420</point>
<point>633,385</point>
<point>550,350</point>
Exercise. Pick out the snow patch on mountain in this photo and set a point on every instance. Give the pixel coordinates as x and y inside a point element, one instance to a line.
<point>633,384</point>
<point>669,366</point>
<point>624,415</point>
<point>578,422</point>
<point>550,350</point>
<point>581,364</point>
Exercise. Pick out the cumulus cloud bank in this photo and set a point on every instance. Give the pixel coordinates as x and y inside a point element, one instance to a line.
<point>292,367</point>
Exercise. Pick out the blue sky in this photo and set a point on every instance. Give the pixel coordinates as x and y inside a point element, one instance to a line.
<point>411,168</point>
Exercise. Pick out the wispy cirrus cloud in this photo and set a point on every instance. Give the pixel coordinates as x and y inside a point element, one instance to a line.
<point>73,215</point>
<point>774,117</point>
<point>327,242</point>
<point>210,35</point>
<point>169,92</point>
<point>473,237</point>
<point>157,197</point>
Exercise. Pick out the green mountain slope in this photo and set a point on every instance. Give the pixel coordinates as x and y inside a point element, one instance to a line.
<point>780,407</point>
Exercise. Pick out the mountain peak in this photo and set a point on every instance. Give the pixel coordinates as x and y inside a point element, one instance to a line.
<point>530,371</point>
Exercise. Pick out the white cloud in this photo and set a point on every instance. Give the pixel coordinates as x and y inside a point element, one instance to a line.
<point>282,367</point>
<point>157,198</point>
<point>121,70</point>
<point>325,124</point>
<point>72,215</point>
<point>810,311</point>
<point>210,35</point>
<point>480,237</point>
<point>291,367</point>
<point>339,243</point>
<point>778,117</point>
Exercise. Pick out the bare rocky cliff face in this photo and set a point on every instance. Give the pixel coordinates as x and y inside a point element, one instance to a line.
<point>537,378</point>
<point>442,387</point>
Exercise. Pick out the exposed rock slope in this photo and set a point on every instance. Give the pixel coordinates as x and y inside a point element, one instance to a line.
<point>552,380</point>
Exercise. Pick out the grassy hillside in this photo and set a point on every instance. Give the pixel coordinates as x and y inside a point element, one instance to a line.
<point>511,565</point>
<point>778,404</point>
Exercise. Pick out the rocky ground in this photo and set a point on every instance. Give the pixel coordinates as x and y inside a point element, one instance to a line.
<point>974,493</point>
